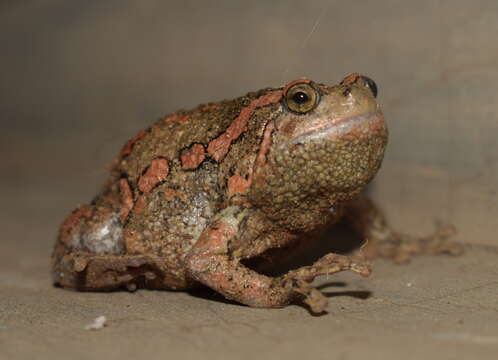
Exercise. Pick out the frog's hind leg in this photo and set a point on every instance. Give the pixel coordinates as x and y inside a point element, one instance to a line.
<point>382,241</point>
<point>90,272</point>
<point>90,255</point>
<point>91,229</point>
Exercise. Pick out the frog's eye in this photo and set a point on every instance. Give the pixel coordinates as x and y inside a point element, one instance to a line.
<point>301,98</point>
<point>369,83</point>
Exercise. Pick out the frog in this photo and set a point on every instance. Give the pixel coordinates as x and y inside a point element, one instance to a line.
<point>192,198</point>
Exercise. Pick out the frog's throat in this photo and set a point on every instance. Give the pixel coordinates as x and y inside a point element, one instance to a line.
<point>358,125</point>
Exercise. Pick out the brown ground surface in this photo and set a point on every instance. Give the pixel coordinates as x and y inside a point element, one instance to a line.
<point>80,78</point>
<point>444,308</point>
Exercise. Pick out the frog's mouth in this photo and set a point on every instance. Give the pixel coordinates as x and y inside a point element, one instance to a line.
<point>354,127</point>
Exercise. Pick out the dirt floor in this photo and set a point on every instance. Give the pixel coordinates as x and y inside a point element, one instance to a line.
<point>442,306</point>
<point>79,79</point>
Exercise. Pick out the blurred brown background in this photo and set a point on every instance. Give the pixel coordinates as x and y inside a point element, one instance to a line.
<point>79,78</point>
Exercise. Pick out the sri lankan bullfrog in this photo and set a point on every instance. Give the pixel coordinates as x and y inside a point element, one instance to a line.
<point>197,193</point>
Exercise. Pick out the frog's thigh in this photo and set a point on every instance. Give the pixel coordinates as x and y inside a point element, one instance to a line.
<point>84,271</point>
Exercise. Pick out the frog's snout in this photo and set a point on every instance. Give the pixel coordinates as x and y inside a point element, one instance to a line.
<point>361,80</point>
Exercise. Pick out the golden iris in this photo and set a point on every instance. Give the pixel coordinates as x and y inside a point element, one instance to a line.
<point>302,98</point>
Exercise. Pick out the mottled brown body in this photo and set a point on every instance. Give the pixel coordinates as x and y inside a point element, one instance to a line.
<point>199,191</point>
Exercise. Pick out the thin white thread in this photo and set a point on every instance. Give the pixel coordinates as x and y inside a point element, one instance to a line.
<point>310,34</point>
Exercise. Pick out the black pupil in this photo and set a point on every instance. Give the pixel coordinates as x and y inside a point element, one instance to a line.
<point>300,97</point>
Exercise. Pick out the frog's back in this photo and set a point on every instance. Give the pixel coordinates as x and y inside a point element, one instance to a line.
<point>182,138</point>
<point>167,183</point>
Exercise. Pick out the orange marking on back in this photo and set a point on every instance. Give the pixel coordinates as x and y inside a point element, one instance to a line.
<point>350,79</point>
<point>128,147</point>
<point>126,199</point>
<point>177,119</point>
<point>218,148</point>
<point>169,194</point>
<point>139,204</point>
<point>265,145</point>
<point>237,185</point>
<point>72,221</point>
<point>157,172</point>
<point>193,157</point>
<point>209,107</point>
<point>263,151</point>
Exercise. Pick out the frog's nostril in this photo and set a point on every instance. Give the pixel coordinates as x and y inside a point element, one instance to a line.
<point>369,83</point>
<point>346,91</point>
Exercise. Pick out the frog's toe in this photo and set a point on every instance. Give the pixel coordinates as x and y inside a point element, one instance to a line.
<point>361,267</point>
<point>441,241</point>
<point>316,301</point>
<point>311,296</point>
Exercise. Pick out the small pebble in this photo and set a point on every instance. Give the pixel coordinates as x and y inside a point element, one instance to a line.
<point>98,323</point>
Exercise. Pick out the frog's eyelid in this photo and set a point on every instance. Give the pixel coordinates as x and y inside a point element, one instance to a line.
<point>290,85</point>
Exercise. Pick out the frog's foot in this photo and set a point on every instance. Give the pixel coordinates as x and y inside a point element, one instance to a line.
<point>299,280</point>
<point>91,272</point>
<point>401,247</point>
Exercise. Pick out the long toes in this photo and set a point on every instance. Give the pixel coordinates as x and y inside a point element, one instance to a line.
<point>362,268</point>
<point>316,301</point>
<point>449,248</point>
<point>444,230</point>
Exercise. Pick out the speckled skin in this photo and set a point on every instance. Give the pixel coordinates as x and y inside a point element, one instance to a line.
<point>199,191</point>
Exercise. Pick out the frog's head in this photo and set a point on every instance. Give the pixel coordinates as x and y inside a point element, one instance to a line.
<point>327,144</point>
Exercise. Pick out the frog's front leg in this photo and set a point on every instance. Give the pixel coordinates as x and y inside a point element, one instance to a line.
<point>215,261</point>
<point>382,241</point>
